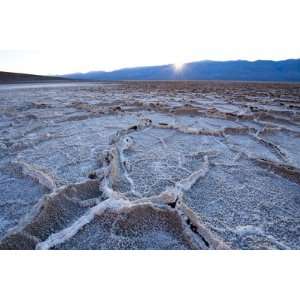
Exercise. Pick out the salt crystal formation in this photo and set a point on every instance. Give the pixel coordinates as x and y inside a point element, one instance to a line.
<point>150,165</point>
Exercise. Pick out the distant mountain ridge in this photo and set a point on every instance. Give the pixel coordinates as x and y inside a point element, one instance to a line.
<point>9,77</point>
<point>260,70</point>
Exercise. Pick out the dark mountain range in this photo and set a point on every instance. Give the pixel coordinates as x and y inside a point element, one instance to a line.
<point>260,70</point>
<point>8,77</point>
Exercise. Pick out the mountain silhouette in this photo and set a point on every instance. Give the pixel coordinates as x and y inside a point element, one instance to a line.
<point>260,70</point>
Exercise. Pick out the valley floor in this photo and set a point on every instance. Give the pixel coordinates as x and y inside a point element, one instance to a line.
<point>150,165</point>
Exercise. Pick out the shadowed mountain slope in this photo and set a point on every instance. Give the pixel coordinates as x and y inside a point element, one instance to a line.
<point>9,77</point>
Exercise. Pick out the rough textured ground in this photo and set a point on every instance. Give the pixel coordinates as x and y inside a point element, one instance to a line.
<point>150,165</point>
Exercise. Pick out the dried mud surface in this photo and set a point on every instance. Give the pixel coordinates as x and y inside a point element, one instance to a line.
<point>150,165</point>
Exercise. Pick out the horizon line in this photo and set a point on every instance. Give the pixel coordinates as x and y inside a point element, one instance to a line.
<point>151,66</point>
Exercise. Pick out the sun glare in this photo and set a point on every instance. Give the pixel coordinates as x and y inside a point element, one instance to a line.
<point>178,66</point>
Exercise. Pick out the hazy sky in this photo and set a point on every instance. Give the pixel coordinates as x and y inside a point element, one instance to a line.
<point>59,36</point>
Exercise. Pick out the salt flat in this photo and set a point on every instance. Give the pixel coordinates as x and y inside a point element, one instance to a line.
<point>150,165</point>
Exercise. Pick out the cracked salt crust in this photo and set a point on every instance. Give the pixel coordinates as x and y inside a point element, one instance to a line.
<point>172,165</point>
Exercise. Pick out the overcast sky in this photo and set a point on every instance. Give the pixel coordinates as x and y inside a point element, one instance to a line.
<point>59,36</point>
